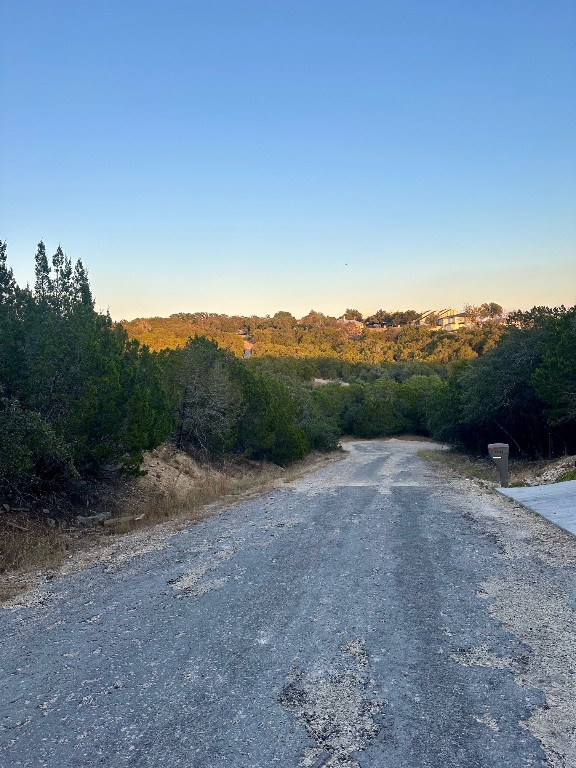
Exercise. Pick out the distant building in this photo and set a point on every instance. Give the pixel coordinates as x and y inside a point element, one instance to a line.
<point>446,319</point>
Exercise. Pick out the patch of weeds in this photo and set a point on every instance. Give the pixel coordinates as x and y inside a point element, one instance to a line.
<point>570,475</point>
<point>475,468</point>
<point>28,545</point>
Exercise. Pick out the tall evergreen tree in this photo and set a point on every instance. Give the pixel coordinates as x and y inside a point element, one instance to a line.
<point>57,287</point>
<point>43,283</point>
<point>7,282</point>
<point>81,286</point>
<point>66,286</point>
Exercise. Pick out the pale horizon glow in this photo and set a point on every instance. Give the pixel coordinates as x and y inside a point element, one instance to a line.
<point>246,157</point>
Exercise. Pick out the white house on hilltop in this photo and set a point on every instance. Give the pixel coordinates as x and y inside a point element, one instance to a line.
<point>446,319</point>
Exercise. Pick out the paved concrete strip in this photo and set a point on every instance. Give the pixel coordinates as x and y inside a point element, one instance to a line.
<point>556,502</point>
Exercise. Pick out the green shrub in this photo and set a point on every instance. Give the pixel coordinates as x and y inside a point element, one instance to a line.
<point>569,475</point>
<point>268,427</point>
<point>32,456</point>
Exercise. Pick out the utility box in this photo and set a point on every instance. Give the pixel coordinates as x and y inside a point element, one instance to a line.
<point>498,452</point>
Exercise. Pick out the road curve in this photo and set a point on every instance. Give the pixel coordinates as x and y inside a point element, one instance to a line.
<point>371,615</point>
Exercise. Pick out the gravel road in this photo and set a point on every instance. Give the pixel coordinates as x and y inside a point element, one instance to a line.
<point>379,613</point>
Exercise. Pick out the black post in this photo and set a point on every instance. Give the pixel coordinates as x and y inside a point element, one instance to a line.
<point>499,453</point>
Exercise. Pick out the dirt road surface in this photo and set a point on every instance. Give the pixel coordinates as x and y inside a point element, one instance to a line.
<point>374,614</point>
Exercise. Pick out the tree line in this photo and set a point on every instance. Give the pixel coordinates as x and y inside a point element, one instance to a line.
<point>521,390</point>
<point>80,399</point>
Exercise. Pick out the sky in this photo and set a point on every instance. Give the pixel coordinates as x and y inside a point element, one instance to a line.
<point>251,156</point>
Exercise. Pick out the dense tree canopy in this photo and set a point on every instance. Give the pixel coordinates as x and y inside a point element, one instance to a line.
<point>523,391</point>
<point>317,335</point>
<point>79,394</point>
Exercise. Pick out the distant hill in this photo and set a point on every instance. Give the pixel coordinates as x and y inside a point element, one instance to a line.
<point>316,335</point>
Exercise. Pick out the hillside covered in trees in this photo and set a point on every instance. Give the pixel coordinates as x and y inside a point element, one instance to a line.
<point>317,335</point>
<point>82,398</point>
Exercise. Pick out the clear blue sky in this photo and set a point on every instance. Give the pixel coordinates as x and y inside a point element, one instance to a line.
<point>256,155</point>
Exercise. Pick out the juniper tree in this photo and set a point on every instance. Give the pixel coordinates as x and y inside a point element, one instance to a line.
<point>209,405</point>
<point>7,282</point>
<point>43,283</point>
<point>80,286</point>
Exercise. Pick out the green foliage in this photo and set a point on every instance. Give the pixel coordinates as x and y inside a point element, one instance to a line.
<point>43,283</point>
<point>393,319</point>
<point>419,394</point>
<point>565,476</point>
<point>373,410</point>
<point>209,403</point>
<point>82,394</point>
<point>321,427</point>
<point>32,456</point>
<point>318,336</point>
<point>497,394</point>
<point>522,391</point>
<point>382,399</point>
<point>443,409</point>
<point>262,410</point>
<point>7,282</point>
<point>555,379</point>
<point>116,403</point>
<point>268,428</point>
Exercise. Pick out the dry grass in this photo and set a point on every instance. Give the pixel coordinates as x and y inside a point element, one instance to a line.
<point>213,488</point>
<point>482,468</point>
<point>176,489</point>
<point>209,490</point>
<point>463,465</point>
<point>29,547</point>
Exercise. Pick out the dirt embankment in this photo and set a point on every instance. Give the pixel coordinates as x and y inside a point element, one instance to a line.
<point>553,473</point>
<point>522,473</point>
<point>120,518</point>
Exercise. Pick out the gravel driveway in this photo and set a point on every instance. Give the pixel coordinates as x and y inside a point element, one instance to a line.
<point>374,614</point>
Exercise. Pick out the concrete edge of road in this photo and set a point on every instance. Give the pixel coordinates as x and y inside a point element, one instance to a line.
<point>555,502</point>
